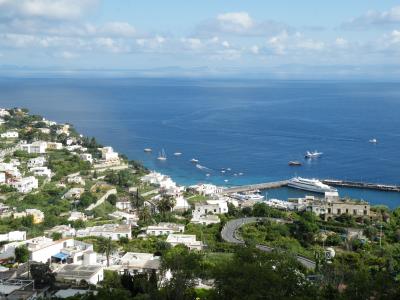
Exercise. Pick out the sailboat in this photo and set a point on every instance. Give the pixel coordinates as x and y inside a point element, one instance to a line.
<point>162,156</point>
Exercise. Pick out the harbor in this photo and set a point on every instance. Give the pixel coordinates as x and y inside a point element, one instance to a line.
<point>331,182</point>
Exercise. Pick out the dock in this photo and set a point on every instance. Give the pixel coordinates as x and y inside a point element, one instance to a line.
<point>362,185</point>
<point>254,187</point>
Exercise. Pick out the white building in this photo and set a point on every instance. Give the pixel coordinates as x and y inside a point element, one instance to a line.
<point>54,146</point>
<point>86,157</point>
<point>10,169</point>
<point>2,177</point>
<point>180,204</point>
<point>9,135</point>
<point>115,231</point>
<point>126,218</point>
<point>210,207</point>
<point>136,263</point>
<point>36,147</point>
<point>74,193</point>
<point>124,205</point>
<point>77,215</point>
<point>36,162</point>
<point>77,179</point>
<point>26,184</point>
<point>13,236</point>
<point>44,130</point>
<point>165,229</point>
<point>38,215</point>
<point>65,230</point>
<point>108,154</point>
<point>78,274</point>
<point>207,189</point>
<point>189,240</point>
<point>41,171</point>
<point>206,220</point>
<point>43,249</point>
<point>4,112</point>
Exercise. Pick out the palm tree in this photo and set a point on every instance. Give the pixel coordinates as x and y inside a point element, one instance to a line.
<point>166,203</point>
<point>144,214</point>
<point>106,246</point>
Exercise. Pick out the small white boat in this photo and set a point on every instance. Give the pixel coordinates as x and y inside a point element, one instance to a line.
<point>228,169</point>
<point>147,150</point>
<point>226,180</point>
<point>240,174</point>
<point>314,154</point>
<point>222,171</point>
<point>208,174</point>
<point>373,141</point>
<point>193,160</point>
<point>178,153</point>
<point>162,156</point>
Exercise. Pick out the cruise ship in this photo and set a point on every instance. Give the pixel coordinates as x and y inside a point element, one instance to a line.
<point>312,185</point>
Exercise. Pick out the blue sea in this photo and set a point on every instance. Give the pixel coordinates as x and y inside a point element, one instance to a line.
<point>252,127</point>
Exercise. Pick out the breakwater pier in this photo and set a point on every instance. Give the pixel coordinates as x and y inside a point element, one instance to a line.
<point>331,182</point>
<point>258,186</point>
<point>362,185</point>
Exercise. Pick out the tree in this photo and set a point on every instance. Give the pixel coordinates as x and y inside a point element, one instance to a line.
<point>56,236</point>
<point>112,199</point>
<point>253,274</point>
<point>42,275</point>
<point>106,246</point>
<point>145,215</point>
<point>184,266</point>
<point>21,254</point>
<point>166,204</point>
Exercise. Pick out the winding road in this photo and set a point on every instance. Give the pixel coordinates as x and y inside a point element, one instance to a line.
<point>229,234</point>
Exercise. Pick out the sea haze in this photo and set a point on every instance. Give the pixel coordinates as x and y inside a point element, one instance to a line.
<point>252,127</point>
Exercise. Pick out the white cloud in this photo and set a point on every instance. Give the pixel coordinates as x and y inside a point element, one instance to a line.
<point>121,29</point>
<point>341,42</point>
<point>284,43</point>
<point>225,44</point>
<point>235,21</point>
<point>47,9</point>
<point>192,43</point>
<point>255,49</point>
<point>239,23</point>
<point>374,18</point>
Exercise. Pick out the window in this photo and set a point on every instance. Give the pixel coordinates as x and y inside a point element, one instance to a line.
<point>347,210</point>
<point>354,211</point>
<point>339,211</point>
<point>365,212</point>
<point>329,210</point>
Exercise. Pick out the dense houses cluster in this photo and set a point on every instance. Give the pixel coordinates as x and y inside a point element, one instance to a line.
<point>76,261</point>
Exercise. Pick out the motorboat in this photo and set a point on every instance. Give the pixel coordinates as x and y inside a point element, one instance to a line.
<point>193,160</point>
<point>178,153</point>
<point>162,156</point>
<point>312,185</point>
<point>314,154</point>
<point>294,163</point>
<point>373,141</point>
<point>147,150</point>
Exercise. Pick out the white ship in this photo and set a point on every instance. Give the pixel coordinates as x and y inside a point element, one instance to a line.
<point>162,155</point>
<point>373,141</point>
<point>147,150</point>
<point>314,154</point>
<point>193,160</point>
<point>312,185</point>
<point>178,153</point>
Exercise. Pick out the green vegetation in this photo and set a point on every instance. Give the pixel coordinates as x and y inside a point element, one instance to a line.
<point>63,163</point>
<point>21,254</point>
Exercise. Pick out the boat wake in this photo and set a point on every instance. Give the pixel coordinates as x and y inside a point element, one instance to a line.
<point>203,168</point>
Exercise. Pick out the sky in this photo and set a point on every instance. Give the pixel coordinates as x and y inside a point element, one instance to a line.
<point>286,37</point>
